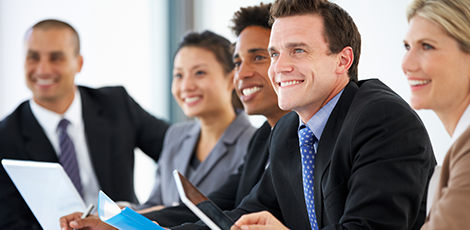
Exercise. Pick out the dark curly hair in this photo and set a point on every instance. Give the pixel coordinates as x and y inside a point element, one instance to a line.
<point>251,16</point>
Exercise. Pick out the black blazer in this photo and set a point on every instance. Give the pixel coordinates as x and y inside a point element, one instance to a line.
<point>114,126</point>
<point>235,188</point>
<point>373,163</point>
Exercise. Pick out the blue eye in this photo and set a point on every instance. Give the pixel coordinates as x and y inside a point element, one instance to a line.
<point>407,47</point>
<point>427,46</point>
<point>273,54</point>
<point>299,51</point>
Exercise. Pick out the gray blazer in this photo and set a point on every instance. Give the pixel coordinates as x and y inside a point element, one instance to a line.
<point>178,147</point>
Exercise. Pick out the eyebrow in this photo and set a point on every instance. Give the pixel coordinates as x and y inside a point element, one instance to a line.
<point>195,67</point>
<point>291,45</point>
<point>254,50</point>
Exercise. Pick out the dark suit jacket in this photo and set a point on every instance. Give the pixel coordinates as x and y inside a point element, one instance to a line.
<point>373,163</point>
<point>235,188</point>
<point>114,125</point>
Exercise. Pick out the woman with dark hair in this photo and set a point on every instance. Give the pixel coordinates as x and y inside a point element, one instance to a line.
<point>212,147</point>
<point>437,65</point>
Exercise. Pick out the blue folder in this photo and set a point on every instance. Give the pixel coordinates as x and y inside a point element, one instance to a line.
<point>125,219</point>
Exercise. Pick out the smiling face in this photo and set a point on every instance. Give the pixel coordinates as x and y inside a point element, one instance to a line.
<point>438,71</point>
<point>50,66</point>
<point>200,85</point>
<point>251,80</point>
<point>304,74</point>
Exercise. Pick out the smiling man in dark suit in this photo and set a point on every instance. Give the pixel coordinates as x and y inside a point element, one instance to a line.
<point>105,125</point>
<point>255,90</point>
<point>353,155</point>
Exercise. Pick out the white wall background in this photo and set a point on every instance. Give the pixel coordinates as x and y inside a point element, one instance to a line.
<point>382,25</point>
<point>124,43</point>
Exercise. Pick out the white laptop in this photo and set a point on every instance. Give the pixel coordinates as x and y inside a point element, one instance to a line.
<point>46,188</point>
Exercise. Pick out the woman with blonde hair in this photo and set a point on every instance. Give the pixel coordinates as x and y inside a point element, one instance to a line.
<point>437,65</point>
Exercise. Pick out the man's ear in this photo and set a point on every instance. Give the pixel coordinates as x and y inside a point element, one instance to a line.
<point>80,63</point>
<point>346,58</point>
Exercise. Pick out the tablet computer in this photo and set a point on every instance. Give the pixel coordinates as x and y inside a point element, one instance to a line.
<point>46,188</point>
<point>200,205</point>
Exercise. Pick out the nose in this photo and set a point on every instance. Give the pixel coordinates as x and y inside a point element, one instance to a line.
<point>282,64</point>
<point>187,83</point>
<point>409,63</point>
<point>245,70</point>
<point>43,68</point>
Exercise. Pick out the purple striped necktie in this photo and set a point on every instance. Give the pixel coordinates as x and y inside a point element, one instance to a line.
<point>68,158</point>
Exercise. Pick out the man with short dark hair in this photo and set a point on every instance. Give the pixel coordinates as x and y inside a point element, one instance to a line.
<point>352,155</point>
<point>255,90</point>
<point>91,132</point>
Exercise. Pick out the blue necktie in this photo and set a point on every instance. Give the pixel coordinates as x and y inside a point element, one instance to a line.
<point>307,140</point>
<point>68,158</point>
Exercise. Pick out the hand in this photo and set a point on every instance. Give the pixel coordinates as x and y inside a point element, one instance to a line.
<point>74,221</point>
<point>151,209</point>
<point>258,221</point>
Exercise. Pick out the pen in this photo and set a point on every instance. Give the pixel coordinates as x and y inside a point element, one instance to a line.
<point>87,211</point>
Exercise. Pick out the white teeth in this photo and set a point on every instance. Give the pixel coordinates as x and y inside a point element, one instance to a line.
<point>418,82</point>
<point>287,83</point>
<point>40,81</point>
<point>249,91</point>
<point>191,99</point>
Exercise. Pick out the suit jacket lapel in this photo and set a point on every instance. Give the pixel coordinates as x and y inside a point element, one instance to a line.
<point>187,149</point>
<point>37,144</point>
<point>229,137</point>
<point>290,157</point>
<point>98,136</point>
<point>328,142</point>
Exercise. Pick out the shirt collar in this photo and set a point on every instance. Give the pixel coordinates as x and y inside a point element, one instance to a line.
<point>462,125</point>
<point>317,123</point>
<point>50,120</point>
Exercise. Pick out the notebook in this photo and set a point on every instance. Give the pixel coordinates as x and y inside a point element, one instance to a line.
<point>46,188</point>
<point>200,205</point>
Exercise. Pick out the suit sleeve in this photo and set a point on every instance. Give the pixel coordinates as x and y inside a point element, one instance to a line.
<point>452,209</point>
<point>391,161</point>
<point>224,198</point>
<point>151,131</point>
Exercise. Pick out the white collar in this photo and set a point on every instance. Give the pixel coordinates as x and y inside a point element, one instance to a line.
<point>462,125</point>
<point>50,120</point>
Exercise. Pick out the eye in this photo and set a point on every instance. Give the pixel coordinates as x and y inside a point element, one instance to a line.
<point>177,75</point>
<point>237,63</point>
<point>298,51</point>
<point>32,57</point>
<point>407,47</point>
<point>200,73</point>
<point>273,54</point>
<point>427,46</point>
<point>259,58</point>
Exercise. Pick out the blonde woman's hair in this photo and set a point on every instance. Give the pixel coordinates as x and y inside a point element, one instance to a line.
<point>451,15</point>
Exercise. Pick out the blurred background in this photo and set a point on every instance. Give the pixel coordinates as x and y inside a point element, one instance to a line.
<point>131,43</point>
